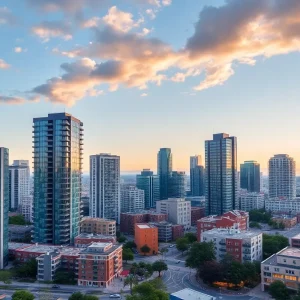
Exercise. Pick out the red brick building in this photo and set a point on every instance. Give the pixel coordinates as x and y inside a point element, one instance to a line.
<point>128,220</point>
<point>177,231</point>
<point>196,214</point>
<point>233,219</point>
<point>85,239</point>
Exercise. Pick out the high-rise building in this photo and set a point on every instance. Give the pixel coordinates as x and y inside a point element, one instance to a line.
<point>19,183</point>
<point>132,198</point>
<point>105,187</point>
<point>282,177</point>
<point>58,145</point>
<point>196,176</point>
<point>164,170</point>
<point>177,185</point>
<point>221,174</point>
<point>250,176</point>
<point>4,205</point>
<point>149,183</point>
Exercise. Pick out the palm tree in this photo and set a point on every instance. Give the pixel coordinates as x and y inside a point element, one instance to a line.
<point>130,280</point>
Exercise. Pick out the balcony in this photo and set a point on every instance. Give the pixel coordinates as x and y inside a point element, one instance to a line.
<point>247,245</point>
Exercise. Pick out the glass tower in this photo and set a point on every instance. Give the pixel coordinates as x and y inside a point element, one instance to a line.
<point>4,206</point>
<point>177,185</point>
<point>149,183</point>
<point>58,146</point>
<point>250,176</point>
<point>164,170</point>
<point>196,176</point>
<point>221,174</point>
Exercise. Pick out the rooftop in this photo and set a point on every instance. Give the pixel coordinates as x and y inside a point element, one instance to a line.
<point>297,236</point>
<point>96,220</point>
<point>105,248</point>
<point>94,236</point>
<point>20,228</point>
<point>290,251</point>
<point>286,252</point>
<point>143,212</point>
<point>143,226</point>
<point>189,294</point>
<point>231,233</point>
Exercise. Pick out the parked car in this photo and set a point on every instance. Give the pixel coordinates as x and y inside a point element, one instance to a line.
<point>55,286</point>
<point>115,296</point>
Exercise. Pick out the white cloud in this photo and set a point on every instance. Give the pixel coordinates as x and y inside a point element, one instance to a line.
<point>144,95</point>
<point>3,64</point>
<point>19,50</point>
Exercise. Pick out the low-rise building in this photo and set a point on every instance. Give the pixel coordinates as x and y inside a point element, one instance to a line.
<point>283,266</point>
<point>177,231</point>
<point>98,226</point>
<point>20,233</point>
<point>244,246</point>
<point>85,239</point>
<point>286,220</point>
<point>189,294</point>
<point>196,214</point>
<point>250,201</point>
<point>295,241</point>
<point>285,206</point>
<point>99,264</point>
<point>146,234</point>
<point>164,231</point>
<point>236,219</point>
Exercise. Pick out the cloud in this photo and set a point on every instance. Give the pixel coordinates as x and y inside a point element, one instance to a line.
<point>3,64</point>
<point>47,30</point>
<point>144,95</point>
<point>6,17</point>
<point>151,13</point>
<point>19,50</point>
<point>11,100</point>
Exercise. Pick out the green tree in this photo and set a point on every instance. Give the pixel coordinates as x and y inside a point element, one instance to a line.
<point>76,296</point>
<point>159,266</point>
<point>191,237</point>
<point>236,273</point>
<point>146,291</point>
<point>130,280</point>
<point>141,270</point>
<point>90,297</point>
<point>182,244</point>
<point>22,295</point>
<point>5,276</point>
<point>27,269</point>
<point>200,253</point>
<point>254,224</point>
<point>130,245</point>
<point>127,254</point>
<point>145,249</point>
<point>121,239</point>
<point>158,284</point>
<point>273,243</point>
<point>259,215</point>
<point>211,271</point>
<point>278,290</point>
<point>17,220</point>
<point>64,277</point>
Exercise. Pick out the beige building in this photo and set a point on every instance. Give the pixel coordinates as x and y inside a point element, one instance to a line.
<point>98,226</point>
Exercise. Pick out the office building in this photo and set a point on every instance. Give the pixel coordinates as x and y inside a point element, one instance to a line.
<point>149,183</point>
<point>98,226</point>
<point>221,174</point>
<point>132,198</point>
<point>250,176</point>
<point>196,176</point>
<point>283,266</point>
<point>243,246</point>
<point>57,160</point>
<point>4,205</point>
<point>105,186</point>
<point>250,201</point>
<point>277,205</point>
<point>164,170</point>
<point>282,177</point>
<point>177,185</point>
<point>19,183</point>
<point>146,234</point>
<point>177,209</point>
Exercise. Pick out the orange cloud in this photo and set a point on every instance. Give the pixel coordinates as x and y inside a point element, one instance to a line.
<point>3,64</point>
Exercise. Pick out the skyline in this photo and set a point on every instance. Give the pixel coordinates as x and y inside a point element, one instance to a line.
<point>170,83</point>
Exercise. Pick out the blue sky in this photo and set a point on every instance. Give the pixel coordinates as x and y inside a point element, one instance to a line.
<point>237,71</point>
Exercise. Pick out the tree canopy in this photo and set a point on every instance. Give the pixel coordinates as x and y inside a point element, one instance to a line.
<point>141,269</point>
<point>200,253</point>
<point>146,291</point>
<point>259,215</point>
<point>191,237</point>
<point>278,290</point>
<point>22,295</point>
<point>17,220</point>
<point>273,243</point>
<point>27,269</point>
<point>182,244</point>
<point>127,254</point>
<point>80,296</point>
<point>159,266</point>
<point>62,276</point>
<point>145,249</point>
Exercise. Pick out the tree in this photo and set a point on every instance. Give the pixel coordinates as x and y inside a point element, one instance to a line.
<point>200,253</point>
<point>254,224</point>
<point>76,296</point>
<point>146,291</point>
<point>145,249</point>
<point>130,280</point>
<point>121,239</point>
<point>191,237</point>
<point>211,271</point>
<point>273,243</point>
<point>127,254</point>
<point>141,269</point>
<point>278,290</point>
<point>159,266</point>
<point>236,273</point>
<point>90,297</point>
<point>259,215</point>
<point>17,220</point>
<point>64,277</point>
<point>5,276</point>
<point>27,269</point>
<point>158,284</point>
<point>22,295</point>
<point>182,244</point>
<point>163,251</point>
<point>129,245</point>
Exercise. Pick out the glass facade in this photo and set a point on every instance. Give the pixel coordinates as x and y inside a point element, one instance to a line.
<point>221,174</point>
<point>164,170</point>
<point>196,176</point>
<point>177,185</point>
<point>149,183</point>
<point>58,145</point>
<point>4,205</point>
<point>250,176</point>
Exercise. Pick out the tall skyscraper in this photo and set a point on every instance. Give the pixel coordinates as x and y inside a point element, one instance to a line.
<point>196,176</point>
<point>57,144</point>
<point>105,186</point>
<point>19,183</point>
<point>250,176</point>
<point>177,185</point>
<point>164,171</point>
<point>282,177</point>
<point>149,183</point>
<point>4,205</point>
<point>132,198</point>
<point>221,174</point>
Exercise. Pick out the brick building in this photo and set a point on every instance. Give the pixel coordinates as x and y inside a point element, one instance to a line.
<point>177,231</point>
<point>98,226</point>
<point>295,241</point>
<point>128,220</point>
<point>232,219</point>
<point>146,234</point>
<point>85,239</point>
<point>287,221</point>
<point>196,214</point>
<point>99,264</point>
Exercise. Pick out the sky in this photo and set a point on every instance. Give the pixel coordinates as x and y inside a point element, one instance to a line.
<point>146,74</point>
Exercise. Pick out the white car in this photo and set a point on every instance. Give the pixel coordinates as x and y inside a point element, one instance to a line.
<point>115,296</point>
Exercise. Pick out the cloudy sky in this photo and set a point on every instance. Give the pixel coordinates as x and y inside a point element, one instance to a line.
<point>145,74</point>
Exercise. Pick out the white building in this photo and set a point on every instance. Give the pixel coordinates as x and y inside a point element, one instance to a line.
<point>19,183</point>
<point>283,206</point>
<point>25,208</point>
<point>189,294</point>
<point>282,177</point>
<point>244,246</point>
<point>283,266</point>
<point>250,201</point>
<point>105,186</point>
<point>132,198</point>
<point>177,209</point>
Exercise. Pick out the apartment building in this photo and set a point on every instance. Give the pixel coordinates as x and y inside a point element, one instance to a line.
<point>196,214</point>
<point>98,226</point>
<point>146,234</point>
<point>286,206</point>
<point>85,239</point>
<point>132,198</point>
<point>283,266</point>
<point>295,241</point>
<point>244,246</point>
<point>250,201</point>
<point>164,231</point>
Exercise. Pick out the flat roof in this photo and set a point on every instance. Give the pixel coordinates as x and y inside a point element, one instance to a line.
<point>94,236</point>
<point>143,226</point>
<point>297,236</point>
<point>189,294</point>
<point>290,251</point>
<point>230,233</point>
